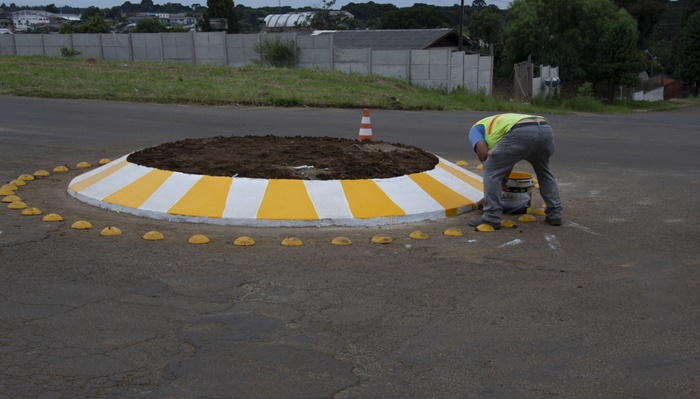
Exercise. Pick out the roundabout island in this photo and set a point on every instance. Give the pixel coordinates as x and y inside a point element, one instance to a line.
<point>282,181</point>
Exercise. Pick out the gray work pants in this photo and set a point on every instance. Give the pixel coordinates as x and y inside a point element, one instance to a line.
<point>533,143</point>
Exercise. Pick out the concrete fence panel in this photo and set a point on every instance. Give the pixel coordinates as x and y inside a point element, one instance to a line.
<point>457,74</point>
<point>54,44</point>
<point>29,44</point>
<point>391,63</point>
<point>147,46</point>
<point>178,47</point>
<point>315,52</point>
<point>116,47</point>
<point>210,48</point>
<point>241,49</point>
<point>485,81</point>
<point>7,45</point>
<point>88,44</point>
<point>355,60</point>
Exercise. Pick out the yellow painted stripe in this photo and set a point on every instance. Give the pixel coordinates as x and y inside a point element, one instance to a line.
<point>445,196</point>
<point>367,200</point>
<point>286,199</point>
<point>464,177</point>
<point>136,193</point>
<point>206,198</point>
<point>85,183</point>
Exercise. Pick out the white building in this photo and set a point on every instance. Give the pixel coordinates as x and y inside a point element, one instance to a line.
<point>25,20</point>
<point>28,19</point>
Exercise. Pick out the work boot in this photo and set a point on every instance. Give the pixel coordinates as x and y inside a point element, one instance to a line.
<point>477,221</point>
<point>553,221</point>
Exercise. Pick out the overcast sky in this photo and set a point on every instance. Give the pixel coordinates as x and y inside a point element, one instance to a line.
<point>249,3</point>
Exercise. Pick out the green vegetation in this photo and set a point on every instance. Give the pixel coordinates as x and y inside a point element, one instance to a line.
<point>276,53</point>
<point>170,83</point>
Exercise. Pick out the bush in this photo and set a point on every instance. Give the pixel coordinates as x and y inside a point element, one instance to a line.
<point>69,52</point>
<point>277,54</point>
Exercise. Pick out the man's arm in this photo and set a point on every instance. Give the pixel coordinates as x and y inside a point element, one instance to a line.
<point>482,151</point>
<point>477,137</point>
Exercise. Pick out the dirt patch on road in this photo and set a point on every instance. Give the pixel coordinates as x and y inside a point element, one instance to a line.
<point>273,157</point>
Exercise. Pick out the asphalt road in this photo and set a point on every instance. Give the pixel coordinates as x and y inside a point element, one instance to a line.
<point>606,306</point>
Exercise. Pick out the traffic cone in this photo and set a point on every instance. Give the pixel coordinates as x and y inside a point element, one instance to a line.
<point>365,127</point>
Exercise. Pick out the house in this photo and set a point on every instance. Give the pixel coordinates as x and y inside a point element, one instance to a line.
<point>26,20</point>
<point>395,39</point>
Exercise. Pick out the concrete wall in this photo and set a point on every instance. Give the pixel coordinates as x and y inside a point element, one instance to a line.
<point>441,69</point>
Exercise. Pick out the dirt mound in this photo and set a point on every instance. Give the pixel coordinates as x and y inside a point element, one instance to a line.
<point>273,157</point>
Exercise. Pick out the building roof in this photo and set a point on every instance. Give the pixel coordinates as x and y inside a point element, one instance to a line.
<point>390,39</point>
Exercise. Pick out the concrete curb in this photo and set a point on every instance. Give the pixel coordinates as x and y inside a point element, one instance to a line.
<point>445,191</point>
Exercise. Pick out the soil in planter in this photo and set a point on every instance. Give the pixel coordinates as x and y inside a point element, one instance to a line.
<point>273,157</point>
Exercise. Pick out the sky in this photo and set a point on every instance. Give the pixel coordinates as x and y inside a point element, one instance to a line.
<point>249,3</point>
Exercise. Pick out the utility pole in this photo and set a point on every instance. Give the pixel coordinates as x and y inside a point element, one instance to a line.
<point>461,27</point>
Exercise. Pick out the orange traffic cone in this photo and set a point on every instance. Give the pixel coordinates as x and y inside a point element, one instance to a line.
<point>365,127</point>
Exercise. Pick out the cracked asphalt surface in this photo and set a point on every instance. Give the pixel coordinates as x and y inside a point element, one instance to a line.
<point>606,306</point>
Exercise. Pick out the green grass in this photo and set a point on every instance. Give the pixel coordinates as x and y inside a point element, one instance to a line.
<point>170,83</point>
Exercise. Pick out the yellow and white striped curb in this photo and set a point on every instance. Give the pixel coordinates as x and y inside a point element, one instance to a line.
<point>445,191</point>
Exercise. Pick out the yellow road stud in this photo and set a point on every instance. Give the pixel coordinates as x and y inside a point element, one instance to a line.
<point>462,163</point>
<point>6,192</point>
<point>31,212</point>
<point>453,232</point>
<point>52,217</point>
<point>244,241</point>
<point>82,165</point>
<point>381,239</point>
<point>485,228</point>
<point>25,177</point>
<point>341,241</point>
<point>59,169</point>
<point>104,161</point>
<point>291,242</point>
<point>198,239</point>
<point>480,167</point>
<point>110,231</point>
<point>419,235</point>
<point>18,183</point>
<point>41,173</point>
<point>17,205</point>
<point>527,218</point>
<point>153,236</point>
<point>8,186</point>
<point>11,198</point>
<point>538,212</point>
<point>508,224</point>
<point>81,225</point>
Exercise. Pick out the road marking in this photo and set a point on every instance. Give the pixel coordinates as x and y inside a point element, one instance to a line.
<point>517,241</point>
<point>584,228</point>
<point>552,241</point>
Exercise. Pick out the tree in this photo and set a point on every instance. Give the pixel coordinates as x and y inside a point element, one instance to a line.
<point>617,60</point>
<point>51,8</point>
<point>563,33</point>
<point>687,60</point>
<point>485,27</point>
<point>146,5</point>
<point>89,12</point>
<point>150,25</point>
<point>94,24</point>
<point>478,3</point>
<point>220,9</point>
<point>420,16</point>
<point>647,14</point>
<point>324,18</point>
